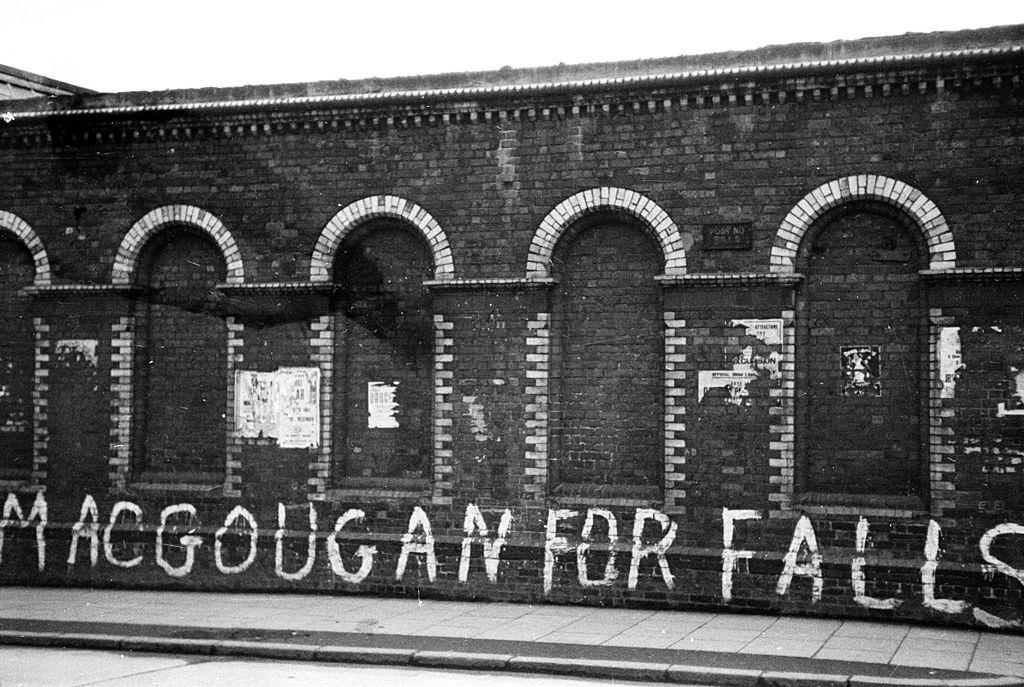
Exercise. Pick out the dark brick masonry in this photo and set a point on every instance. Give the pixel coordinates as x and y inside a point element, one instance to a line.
<point>529,265</point>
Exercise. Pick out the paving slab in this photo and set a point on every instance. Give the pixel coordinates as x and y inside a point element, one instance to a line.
<point>693,648</point>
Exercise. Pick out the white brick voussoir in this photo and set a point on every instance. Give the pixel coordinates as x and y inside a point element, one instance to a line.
<point>924,212</point>
<point>555,223</point>
<point>349,217</point>
<point>127,256</point>
<point>15,225</point>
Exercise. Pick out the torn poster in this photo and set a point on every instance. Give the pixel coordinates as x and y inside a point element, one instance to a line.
<point>768,331</point>
<point>735,381</point>
<point>381,405</point>
<point>284,404</point>
<point>861,370</point>
<point>950,360</point>
<point>297,390</point>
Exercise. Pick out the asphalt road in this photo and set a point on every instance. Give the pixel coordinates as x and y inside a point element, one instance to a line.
<point>43,667</point>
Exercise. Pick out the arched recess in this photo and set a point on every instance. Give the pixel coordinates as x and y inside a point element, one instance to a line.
<point>922,211</point>
<point>354,214</point>
<point>12,223</point>
<point>127,258</point>
<point>538,263</point>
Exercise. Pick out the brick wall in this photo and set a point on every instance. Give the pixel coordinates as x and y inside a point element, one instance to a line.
<point>539,273</point>
<point>860,359</point>
<point>17,359</point>
<point>180,354</point>
<point>607,399</point>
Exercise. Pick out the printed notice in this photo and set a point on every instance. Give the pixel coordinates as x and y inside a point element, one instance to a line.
<point>950,360</point>
<point>255,405</point>
<point>282,405</point>
<point>297,390</point>
<point>735,381</point>
<point>381,405</point>
<point>768,331</point>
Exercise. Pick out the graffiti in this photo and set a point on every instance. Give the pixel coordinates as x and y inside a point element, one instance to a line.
<point>857,577</point>
<point>729,556</point>
<point>178,536</point>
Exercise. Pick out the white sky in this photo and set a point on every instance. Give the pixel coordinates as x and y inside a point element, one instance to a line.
<point>119,45</point>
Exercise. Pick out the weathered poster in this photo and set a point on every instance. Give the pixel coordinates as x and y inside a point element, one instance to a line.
<point>768,331</point>
<point>77,350</point>
<point>735,381</point>
<point>950,360</point>
<point>297,390</point>
<point>1015,406</point>
<point>381,405</point>
<point>283,405</point>
<point>255,409</point>
<point>861,370</point>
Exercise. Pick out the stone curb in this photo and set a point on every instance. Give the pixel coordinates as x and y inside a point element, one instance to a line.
<point>622,670</point>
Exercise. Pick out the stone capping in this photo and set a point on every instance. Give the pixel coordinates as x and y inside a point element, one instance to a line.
<point>278,287</point>
<point>127,257</point>
<point>63,290</point>
<point>13,224</point>
<point>730,279</point>
<point>974,274</point>
<point>492,283</point>
<point>924,213</point>
<point>727,76</point>
<point>354,214</point>
<point>538,263</point>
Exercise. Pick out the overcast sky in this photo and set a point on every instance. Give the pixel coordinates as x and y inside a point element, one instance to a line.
<point>119,45</point>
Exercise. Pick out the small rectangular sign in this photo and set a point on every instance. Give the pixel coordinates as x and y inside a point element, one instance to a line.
<point>736,236</point>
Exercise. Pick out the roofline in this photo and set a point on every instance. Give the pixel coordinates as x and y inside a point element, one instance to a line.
<point>40,83</point>
<point>550,87</point>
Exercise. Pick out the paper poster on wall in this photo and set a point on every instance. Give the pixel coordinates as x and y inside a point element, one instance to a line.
<point>297,390</point>
<point>950,360</point>
<point>768,331</point>
<point>255,407</point>
<point>735,381</point>
<point>861,370</point>
<point>1015,406</point>
<point>381,405</point>
<point>80,350</point>
<point>283,405</point>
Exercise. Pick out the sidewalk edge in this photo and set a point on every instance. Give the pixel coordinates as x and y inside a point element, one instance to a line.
<point>621,670</point>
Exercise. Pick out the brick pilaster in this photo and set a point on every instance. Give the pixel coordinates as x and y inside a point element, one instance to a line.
<point>538,361</point>
<point>321,354</point>
<point>233,445</point>
<point>675,414</point>
<point>442,412</point>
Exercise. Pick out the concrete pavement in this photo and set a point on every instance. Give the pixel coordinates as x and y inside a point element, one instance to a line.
<point>679,646</point>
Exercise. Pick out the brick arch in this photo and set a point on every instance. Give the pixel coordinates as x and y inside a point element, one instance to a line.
<point>127,258</point>
<point>538,263</point>
<point>354,214</point>
<point>917,206</point>
<point>13,224</point>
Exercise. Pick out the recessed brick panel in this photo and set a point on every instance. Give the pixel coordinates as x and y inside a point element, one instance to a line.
<point>609,389</point>
<point>860,358</point>
<point>385,334</point>
<point>180,385</point>
<point>17,357</point>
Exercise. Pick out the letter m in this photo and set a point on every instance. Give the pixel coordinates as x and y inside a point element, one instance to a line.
<point>38,513</point>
